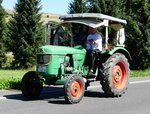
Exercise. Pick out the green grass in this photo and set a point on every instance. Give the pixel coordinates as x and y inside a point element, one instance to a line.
<point>140,73</point>
<point>10,79</point>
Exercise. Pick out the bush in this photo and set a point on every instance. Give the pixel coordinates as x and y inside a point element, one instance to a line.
<point>7,60</point>
<point>10,83</point>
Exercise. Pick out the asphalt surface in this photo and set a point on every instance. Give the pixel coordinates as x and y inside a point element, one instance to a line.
<point>136,100</point>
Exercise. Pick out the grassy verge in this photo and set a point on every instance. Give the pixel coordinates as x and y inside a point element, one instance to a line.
<point>10,79</point>
<point>140,73</point>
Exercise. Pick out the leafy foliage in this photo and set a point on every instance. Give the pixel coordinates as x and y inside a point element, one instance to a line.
<point>3,29</point>
<point>78,6</point>
<point>138,32</point>
<point>25,32</point>
<point>109,7</point>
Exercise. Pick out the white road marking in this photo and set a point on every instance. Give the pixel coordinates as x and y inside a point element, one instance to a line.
<point>3,98</point>
<point>90,87</point>
<point>133,82</point>
<point>138,82</point>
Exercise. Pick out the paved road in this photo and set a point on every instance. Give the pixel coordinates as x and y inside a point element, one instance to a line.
<point>135,101</point>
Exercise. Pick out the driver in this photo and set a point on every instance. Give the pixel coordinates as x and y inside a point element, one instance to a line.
<point>93,44</point>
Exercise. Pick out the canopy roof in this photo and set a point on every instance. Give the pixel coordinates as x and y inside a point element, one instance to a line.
<point>91,19</point>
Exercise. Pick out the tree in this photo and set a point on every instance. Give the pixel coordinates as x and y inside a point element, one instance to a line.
<point>138,32</point>
<point>2,35</point>
<point>78,6</point>
<point>25,32</point>
<point>110,7</point>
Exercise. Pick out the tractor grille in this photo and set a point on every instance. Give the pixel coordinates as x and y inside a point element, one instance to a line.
<point>43,59</point>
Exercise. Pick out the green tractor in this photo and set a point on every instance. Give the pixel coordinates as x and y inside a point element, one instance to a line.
<point>63,63</point>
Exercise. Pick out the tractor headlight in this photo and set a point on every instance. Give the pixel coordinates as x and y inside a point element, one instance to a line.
<point>43,59</point>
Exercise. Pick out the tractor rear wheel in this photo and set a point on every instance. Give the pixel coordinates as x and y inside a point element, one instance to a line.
<point>31,86</point>
<point>74,89</point>
<point>115,75</point>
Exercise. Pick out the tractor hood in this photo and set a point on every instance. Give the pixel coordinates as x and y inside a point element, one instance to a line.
<point>50,49</point>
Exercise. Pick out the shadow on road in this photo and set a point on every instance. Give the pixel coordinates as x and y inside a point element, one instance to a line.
<point>47,93</point>
<point>55,95</point>
<point>92,94</point>
<point>15,97</point>
<point>96,94</point>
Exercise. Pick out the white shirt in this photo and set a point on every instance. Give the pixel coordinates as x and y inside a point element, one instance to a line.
<point>96,38</point>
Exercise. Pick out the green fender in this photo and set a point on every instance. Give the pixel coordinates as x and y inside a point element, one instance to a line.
<point>119,50</point>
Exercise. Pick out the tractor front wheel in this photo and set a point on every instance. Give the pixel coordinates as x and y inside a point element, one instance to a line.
<point>74,89</point>
<point>31,86</point>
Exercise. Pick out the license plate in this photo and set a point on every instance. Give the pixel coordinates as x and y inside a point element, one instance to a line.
<point>42,69</point>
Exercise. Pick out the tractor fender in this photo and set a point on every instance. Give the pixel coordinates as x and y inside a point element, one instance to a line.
<point>120,50</point>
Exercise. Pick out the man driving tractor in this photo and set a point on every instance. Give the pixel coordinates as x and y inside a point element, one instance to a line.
<point>93,44</point>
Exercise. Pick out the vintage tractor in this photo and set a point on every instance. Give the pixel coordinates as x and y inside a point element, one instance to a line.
<point>63,63</point>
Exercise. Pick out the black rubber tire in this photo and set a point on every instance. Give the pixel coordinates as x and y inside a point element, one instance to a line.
<point>115,75</point>
<point>76,97</point>
<point>31,86</point>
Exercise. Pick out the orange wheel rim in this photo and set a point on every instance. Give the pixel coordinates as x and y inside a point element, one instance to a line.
<point>119,75</point>
<point>76,89</point>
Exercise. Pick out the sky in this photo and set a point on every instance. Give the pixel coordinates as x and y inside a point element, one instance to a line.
<point>48,6</point>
